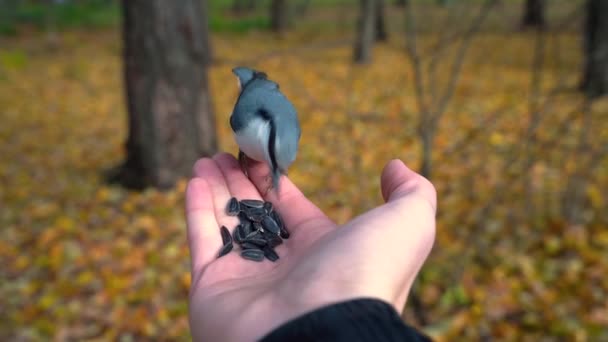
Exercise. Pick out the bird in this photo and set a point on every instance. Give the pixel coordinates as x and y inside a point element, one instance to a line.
<point>265,124</point>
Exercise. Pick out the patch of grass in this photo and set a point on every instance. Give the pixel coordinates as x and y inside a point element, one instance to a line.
<point>100,13</point>
<point>15,59</point>
<point>238,25</point>
<point>87,14</point>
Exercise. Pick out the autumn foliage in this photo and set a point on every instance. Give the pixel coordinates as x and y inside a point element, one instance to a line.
<point>82,260</point>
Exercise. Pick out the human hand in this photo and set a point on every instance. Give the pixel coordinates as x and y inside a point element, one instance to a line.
<point>376,255</point>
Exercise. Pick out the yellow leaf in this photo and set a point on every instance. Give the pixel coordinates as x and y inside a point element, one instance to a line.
<point>595,196</point>
<point>497,139</point>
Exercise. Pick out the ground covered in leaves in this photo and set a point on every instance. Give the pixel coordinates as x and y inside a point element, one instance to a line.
<point>85,260</point>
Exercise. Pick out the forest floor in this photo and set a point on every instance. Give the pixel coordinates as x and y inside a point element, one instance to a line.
<point>79,256</point>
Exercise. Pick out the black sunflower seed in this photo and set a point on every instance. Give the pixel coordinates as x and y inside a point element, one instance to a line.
<point>277,218</point>
<point>226,238</point>
<point>274,241</point>
<point>257,226</point>
<point>252,203</point>
<point>283,230</point>
<point>270,254</point>
<point>270,225</point>
<point>243,217</point>
<point>253,254</point>
<point>238,234</point>
<point>225,250</point>
<point>284,233</point>
<point>255,214</point>
<point>268,235</point>
<point>249,245</point>
<point>244,231</point>
<point>256,241</point>
<point>254,234</point>
<point>247,227</point>
<point>233,208</point>
<point>268,207</point>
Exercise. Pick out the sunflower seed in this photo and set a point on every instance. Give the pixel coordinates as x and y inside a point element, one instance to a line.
<point>268,207</point>
<point>225,250</point>
<point>270,225</point>
<point>238,234</point>
<point>244,231</point>
<point>274,241</point>
<point>252,203</point>
<point>226,238</point>
<point>254,234</point>
<point>253,254</point>
<point>270,254</point>
<point>258,226</point>
<point>283,230</point>
<point>247,228</point>
<point>255,214</point>
<point>243,217</point>
<point>268,235</point>
<point>233,207</point>
<point>249,245</point>
<point>284,233</point>
<point>256,241</point>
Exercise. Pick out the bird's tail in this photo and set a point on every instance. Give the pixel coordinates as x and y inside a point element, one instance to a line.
<point>271,154</point>
<point>276,176</point>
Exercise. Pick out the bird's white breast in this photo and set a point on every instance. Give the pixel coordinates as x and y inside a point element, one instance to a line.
<point>253,139</point>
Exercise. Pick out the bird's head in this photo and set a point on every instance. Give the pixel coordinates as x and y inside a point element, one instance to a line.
<point>245,75</point>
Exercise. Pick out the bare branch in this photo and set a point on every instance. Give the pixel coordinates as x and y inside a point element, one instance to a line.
<point>484,126</point>
<point>410,43</point>
<point>458,61</point>
<point>448,37</point>
<point>500,190</point>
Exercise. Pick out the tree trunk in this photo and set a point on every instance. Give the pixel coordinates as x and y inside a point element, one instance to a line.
<point>595,74</point>
<point>534,14</point>
<point>171,125</point>
<point>381,34</point>
<point>366,31</point>
<point>279,16</point>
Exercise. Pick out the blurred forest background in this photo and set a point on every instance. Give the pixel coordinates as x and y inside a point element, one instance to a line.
<point>499,102</point>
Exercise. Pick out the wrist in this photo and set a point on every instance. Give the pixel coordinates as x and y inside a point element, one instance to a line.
<point>358,319</point>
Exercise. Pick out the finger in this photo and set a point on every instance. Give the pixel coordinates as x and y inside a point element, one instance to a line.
<point>203,238</point>
<point>411,206</point>
<point>407,190</point>
<point>295,209</point>
<point>208,169</point>
<point>398,181</point>
<point>238,184</point>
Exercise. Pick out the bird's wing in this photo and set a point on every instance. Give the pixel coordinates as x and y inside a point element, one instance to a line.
<point>284,122</point>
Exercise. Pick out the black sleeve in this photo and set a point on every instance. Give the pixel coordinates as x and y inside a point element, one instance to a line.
<point>354,320</point>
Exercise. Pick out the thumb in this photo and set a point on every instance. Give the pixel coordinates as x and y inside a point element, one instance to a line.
<point>398,181</point>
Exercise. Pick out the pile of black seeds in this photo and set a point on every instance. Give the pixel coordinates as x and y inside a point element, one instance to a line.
<point>260,230</point>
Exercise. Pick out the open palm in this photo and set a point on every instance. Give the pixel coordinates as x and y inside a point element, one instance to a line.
<point>376,255</point>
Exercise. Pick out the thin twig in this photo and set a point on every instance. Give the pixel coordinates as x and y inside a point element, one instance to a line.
<point>410,44</point>
<point>484,126</point>
<point>458,61</point>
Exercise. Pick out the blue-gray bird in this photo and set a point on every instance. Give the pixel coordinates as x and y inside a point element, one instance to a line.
<point>265,123</point>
